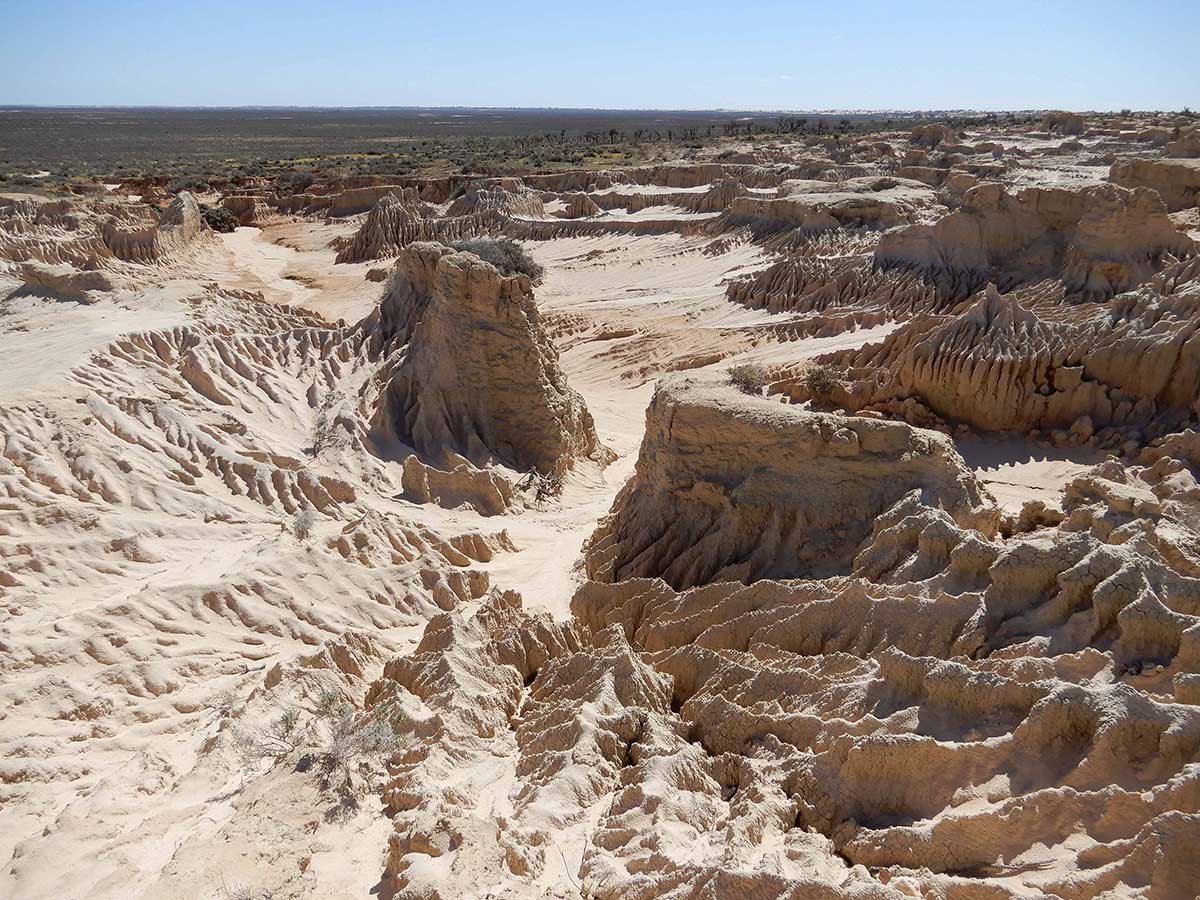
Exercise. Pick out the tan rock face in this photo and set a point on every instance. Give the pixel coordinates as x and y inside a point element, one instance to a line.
<point>509,199</point>
<point>717,198</point>
<point>813,207</point>
<point>580,206</point>
<point>398,220</point>
<point>833,293</point>
<point>1000,366</point>
<point>1061,122</point>
<point>179,227</point>
<point>80,248</point>
<point>248,209</point>
<point>1176,180</point>
<point>1098,241</point>
<point>735,488</point>
<point>1186,145</point>
<point>487,492</point>
<point>477,376</point>
<point>932,135</point>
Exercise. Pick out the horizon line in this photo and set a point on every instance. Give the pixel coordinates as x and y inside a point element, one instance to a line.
<point>613,109</point>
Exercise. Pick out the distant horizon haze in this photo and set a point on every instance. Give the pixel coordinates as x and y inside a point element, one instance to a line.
<point>747,110</point>
<point>772,56</point>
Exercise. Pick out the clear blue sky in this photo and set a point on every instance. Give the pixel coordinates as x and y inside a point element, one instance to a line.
<point>611,53</point>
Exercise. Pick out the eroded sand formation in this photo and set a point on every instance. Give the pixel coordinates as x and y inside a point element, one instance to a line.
<point>825,524</point>
<point>475,376</point>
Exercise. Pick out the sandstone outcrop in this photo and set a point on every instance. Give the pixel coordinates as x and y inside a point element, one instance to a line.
<point>579,206</point>
<point>259,624</point>
<point>502,200</point>
<point>1098,241</point>
<point>1186,145</point>
<point>402,219</point>
<point>717,198</point>
<point>1002,366</point>
<point>735,488</point>
<point>844,290</point>
<point>476,376</point>
<point>78,248</point>
<point>248,209</point>
<point>1176,180</point>
<point>486,491</point>
<point>813,207</point>
<point>63,279</point>
<point>1060,122</point>
<point>179,227</point>
<point>932,135</point>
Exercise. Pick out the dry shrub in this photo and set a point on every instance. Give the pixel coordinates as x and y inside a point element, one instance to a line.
<point>303,522</point>
<point>821,380</point>
<point>748,379</point>
<point>505,254</point>
<point>344,748</point>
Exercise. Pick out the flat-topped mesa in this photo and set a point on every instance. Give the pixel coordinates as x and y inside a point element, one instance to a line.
<point>812,207</point>
<point>1063,122</point>
<point>1176,180</point>
<point>730,487</point>
<point>1098,241</point>
<point>932,135</point>
<point>471,371</point>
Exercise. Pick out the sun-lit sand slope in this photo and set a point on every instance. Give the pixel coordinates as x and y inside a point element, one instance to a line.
<point>823,523</point>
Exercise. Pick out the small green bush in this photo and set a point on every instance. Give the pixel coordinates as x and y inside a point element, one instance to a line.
<point>303,522</point>
<point>505,254</point>
<point>220,219</point>
<point>748,379</point>
<point>289,183</point>
<point>820,380</point>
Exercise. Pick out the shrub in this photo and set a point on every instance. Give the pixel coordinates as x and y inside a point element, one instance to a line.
<point>294,182</point>
<point>544,486</point>
<point>342,747</point>
<point>352,748</point>
<point>820,380</point>
<point>220,219</point>
<point>277,739</point>
<point>505,254</point>
<point>239,891</point>
<point>225,703</point>
<point>748,379</point>
<point>302,523</point>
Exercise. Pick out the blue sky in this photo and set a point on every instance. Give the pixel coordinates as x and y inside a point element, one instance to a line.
<point>922,54</point>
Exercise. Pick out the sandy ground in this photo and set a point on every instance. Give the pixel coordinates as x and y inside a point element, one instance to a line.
<point>41,338</point>
<point>289,266</point>
<point>179,601</point>
<point>1017,471</point>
